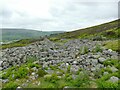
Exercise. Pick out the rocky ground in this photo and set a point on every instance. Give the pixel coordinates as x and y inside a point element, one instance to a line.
<point>75,58</point>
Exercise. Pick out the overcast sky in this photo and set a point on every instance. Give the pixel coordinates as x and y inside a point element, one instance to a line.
<point>56,15</point>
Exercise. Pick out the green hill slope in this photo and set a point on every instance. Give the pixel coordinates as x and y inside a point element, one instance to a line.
<point>17,34</point>
<point>108,30</point>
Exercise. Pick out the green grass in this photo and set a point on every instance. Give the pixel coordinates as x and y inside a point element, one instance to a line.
<point>41,73</point>
<point>92,31</point>
<point>111,62</point>
<point>108,30</point>
<point>19,43</point>
<point>97,49</point>
<point>68,77</point>
<point>112,33</point>
<point>52,81</point>
<point>18,72</point>
<point>10,86</point>
<point>84,50</point>
<point>114,45</point>
<point>107,84</point>
<point>31,59</point>
<point>104,82</point>
<point>53,67</point>
<point>53,78</point>
<point>66,81</point>
<point>15,73</point>
<point>58,40</point>
<point>81,80</point>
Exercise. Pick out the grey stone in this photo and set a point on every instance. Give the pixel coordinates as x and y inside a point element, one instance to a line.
<point>74,69</point>
<point>105,73</point>
<point>33,73</point>
<point>63,65</point>
<point>89,56</point>
<point>113,69</point>
<point>114,79</point>
<point>1,68</point>
<point>49,71</point>
<point>66,87</point>
<point>49,53</point>
<point>19,88</point>
<point>96,56</point>
<point>94,61</point>
<point>99,66</point>
<point>36,62</point>
<point>24,85</point>
<point>67,64</point>
<point>38,83</point>
<point>45,64</point>
<point>34,69</point>
<point>110,50</point>
<point>92,74</point>
<point>59,77</point>
<point>59,73</point>
<point>74,76</point>
<point>93,69</point>
<point>27,81</point>
<point>32,77</point>
<point>101,59</point>
<point>1,63</point>
<point>75,62</point>
<point>114,57</point>
<point>5,80</point>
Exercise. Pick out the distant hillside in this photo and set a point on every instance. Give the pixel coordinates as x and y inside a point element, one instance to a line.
<point>17,34</point>
<point>108,30</point>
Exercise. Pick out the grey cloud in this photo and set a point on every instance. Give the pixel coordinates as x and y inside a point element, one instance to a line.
<point>66,15</point>
<point>6,13</point>
<point>77,13</point>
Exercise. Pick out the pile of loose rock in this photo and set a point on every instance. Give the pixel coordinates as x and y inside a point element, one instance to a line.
<point>50,53</point>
